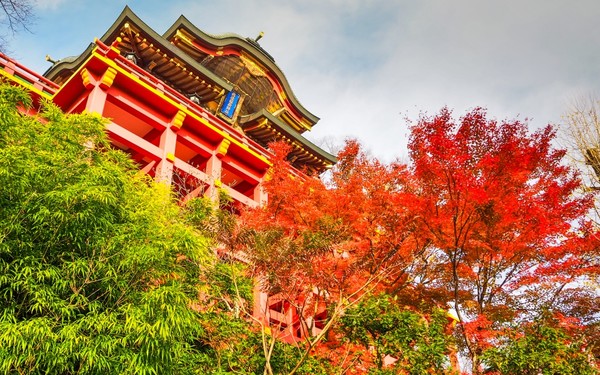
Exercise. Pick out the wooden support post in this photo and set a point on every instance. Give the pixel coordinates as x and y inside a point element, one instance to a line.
<point>214,167</point>
<point>213,170</point>
<point>260,195</point>
<point>96,100</point>
<point>168,142</point>
<point>147,168</point>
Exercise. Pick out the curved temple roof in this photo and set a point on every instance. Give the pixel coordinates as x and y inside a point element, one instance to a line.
<point>220,46</point>
<point>208,69</point>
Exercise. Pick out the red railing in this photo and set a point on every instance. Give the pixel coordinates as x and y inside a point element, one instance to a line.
<point>26,76</point>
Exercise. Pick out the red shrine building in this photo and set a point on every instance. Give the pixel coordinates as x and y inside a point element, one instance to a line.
<point>195,111</point>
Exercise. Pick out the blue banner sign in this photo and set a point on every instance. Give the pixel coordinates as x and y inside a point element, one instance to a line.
<point>230,103</point>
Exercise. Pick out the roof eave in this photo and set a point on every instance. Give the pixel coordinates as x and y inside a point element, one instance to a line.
<point>309,146</point>
<point>128,16</point>
<point>256,52</point>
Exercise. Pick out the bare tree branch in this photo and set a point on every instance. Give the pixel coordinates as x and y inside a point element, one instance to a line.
<point>16,15</point>
<point>582,134</point>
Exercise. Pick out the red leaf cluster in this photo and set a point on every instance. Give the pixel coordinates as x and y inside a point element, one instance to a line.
<point>487,216</point>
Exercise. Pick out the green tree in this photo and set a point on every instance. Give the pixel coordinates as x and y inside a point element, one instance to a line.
<point>544,346</point>
<point>102,272</point>
<point>97,269</point>
<point>418,343</point>
<point>233,341</point>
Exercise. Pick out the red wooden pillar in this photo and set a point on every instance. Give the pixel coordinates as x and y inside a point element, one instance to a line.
<point>214,167</point>
<point>168,143</point>
<point>260,195</point>
<point>95,101</point>
<point>213,170</point>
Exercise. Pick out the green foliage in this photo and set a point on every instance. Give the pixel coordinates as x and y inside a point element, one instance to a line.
<point>229,346</point>
<point>419,343</point>
<point>542,347</point>
<point>97,269</point>
<point>230,285</point>
<point>232,346</point>
<point>101,272</point>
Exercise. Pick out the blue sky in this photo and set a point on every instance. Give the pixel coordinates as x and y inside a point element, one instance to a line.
<point>365,66</point>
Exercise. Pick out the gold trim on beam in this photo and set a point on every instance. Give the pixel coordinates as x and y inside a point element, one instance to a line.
<point>177,121</point>
<point>223,147</point>
<point>86,78</point>
<point>108,78</point>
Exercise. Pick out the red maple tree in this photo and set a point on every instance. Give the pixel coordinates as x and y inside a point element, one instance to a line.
<point>319,244</point>
<point>499,206</point>
<point>486,217</point>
